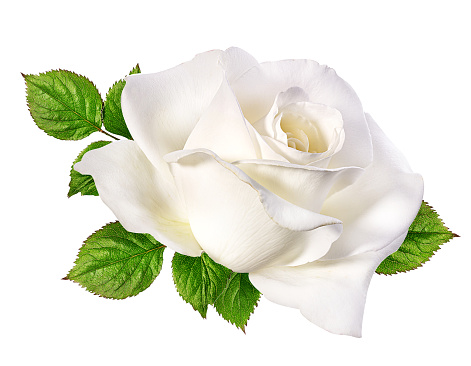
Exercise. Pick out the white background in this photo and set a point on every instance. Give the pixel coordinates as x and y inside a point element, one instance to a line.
<point>409,62</point>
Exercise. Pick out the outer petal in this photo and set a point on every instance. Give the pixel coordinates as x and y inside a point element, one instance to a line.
<point>304,186</point>
<point>257,88</point>
<point>223,129</point>
<point>331,294</point>
<point>237,62</point>
<point>142,196</point>
<point>162,109</point>
<point>380,205</point>
<point>242,225</point>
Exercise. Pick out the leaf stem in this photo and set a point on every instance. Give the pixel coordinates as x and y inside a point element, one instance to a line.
<point>108,134</point>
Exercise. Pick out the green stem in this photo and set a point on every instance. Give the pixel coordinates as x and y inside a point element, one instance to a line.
<point>108,134</point>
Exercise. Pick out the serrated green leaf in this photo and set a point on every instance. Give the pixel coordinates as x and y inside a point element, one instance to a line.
<point>199,280</point>
<point>136,70</point>
<point>80,183</point>
<point>116,264</point>
<point>64,104</point>
<point>112,114</point>
<point>238,300</point>
<point>425,236</point>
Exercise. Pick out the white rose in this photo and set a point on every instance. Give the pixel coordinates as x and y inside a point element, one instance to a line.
<point>272,169</point>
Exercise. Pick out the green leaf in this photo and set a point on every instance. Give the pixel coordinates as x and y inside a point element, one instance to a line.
<point>63,104</point>
<point>238,300</point>
<point>80,183</point>
<point>116,264</point>
<point>425,236</point>
<point>199,280</point>
<point>112,114</point>
<point>136,70</point>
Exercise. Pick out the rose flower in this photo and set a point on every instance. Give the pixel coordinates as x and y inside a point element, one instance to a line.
<point>272,169</point>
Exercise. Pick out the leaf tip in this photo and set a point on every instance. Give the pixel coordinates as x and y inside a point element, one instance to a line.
<point>136,70</point>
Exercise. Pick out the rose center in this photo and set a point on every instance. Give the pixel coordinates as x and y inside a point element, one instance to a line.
<point>302,133</point>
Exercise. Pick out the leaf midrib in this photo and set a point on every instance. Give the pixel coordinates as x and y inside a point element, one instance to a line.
<point>118,261</point>
<point>429,232</point>
<point>65,105</point>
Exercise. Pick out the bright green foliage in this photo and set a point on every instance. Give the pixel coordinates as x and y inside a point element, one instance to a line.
<point>199,280</point>
<point>425,236</point>
<point>115,263</point>
<point>112,114</point>
<point>135,70</point>
<point>80,183</point>
<point>65,105</point>
<point>238,300</point>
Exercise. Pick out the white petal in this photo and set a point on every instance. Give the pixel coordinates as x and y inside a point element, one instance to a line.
<point>237,62</point>
<point>380,205</point>
<point>242,225</point>
<point>304,186</point>
<point>262,149</point>
<point>257,88</point>
<point>223,128</point>
<point>319,121</point>
<point>310,133</point>
<point>266,126</point>
<point>162,109</point>
<point>331,294</point>
<point>294,156</point>
<point>142,196</point>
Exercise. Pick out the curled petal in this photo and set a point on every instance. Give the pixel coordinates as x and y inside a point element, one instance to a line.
<point>267,125</point>
<point>262,149</point>
<point>307,133</point>
<point>320,123</point>
<point>162,109</point>
<point>381,204</point>
<point>304,186</point>
<point>223,129</point>
<point>141,195</point>
<point>298,157</point>
<point>242,225</point>
<point>257,89</point>
<point>330,293</point>
<point>237,62</point>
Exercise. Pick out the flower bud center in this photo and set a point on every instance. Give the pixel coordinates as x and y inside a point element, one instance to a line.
<point>302,133</point>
